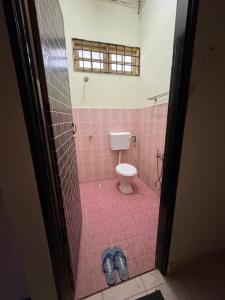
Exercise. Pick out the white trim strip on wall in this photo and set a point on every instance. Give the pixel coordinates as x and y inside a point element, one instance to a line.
<point>140,107</point>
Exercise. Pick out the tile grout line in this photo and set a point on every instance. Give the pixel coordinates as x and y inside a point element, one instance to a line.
<point>145,290</point>
<point>155,287</point>
<point>134,295</point>
<point>127,298</point>
<point>143,282</point>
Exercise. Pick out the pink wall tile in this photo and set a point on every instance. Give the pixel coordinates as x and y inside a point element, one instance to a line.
<point>92,141</point>
<point>95,159</point>
<point>151,136</point>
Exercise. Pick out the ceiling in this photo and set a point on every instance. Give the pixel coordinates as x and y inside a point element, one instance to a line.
<point>135,4</point>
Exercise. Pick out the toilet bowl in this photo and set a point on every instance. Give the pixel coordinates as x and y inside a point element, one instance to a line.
<point>126,173</point>
<point>120,141</point>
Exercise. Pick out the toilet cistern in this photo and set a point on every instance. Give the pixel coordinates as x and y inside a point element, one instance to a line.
<point>120,141</point>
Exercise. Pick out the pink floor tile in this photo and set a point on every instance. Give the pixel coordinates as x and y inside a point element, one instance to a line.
<point>132,267</point>
<point>138,246</point>
<point>150,243</point>
<point>146,262</point>
<point>95,240</point>
<point>124,245</point>
<point>143,228</point>
<point>98,282</point>
<point>113,219</point>
<point>83,286</point>
<point>115,233</point>
<point>130,230</point>
<point>140,216</point>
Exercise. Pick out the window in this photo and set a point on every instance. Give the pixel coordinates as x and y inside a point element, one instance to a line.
<point>105,58</point>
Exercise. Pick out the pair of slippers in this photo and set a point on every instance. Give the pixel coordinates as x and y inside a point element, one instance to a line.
<point>114,259</point>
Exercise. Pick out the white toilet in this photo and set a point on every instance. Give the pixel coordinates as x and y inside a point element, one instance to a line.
<point>121,141</point>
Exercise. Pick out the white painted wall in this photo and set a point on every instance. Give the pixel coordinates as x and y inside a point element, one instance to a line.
<point>104,22</point>
<point>153,30</point>
<point>199,222</point>
<point>157,24</point>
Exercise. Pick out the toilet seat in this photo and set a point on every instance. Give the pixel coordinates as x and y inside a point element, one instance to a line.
<point>126,170</point>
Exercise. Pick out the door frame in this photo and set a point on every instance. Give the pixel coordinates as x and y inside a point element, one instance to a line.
<point>184,36</point>
<point>186,17</point>
<point>33,105</point>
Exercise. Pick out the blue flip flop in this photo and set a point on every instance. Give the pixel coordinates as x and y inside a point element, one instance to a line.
<point>108,266</point>
<point>120,262</point>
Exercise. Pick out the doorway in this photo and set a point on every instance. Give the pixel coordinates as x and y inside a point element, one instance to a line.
<point>173,142</point>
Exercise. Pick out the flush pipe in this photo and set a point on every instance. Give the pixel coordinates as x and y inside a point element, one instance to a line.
<point>120,157</point>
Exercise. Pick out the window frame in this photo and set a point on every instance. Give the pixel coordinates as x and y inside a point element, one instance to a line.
<point>107,49</point>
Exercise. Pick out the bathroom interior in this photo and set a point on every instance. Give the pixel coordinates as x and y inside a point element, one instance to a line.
<point>119,58</point>
<point>52,252</point>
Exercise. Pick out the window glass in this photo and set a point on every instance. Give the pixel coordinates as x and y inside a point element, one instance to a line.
<point>106,58</point>
<point>97,65</point>
<point>127,59</point>
<point>97,55</point>
<point>84,54</point>
<point>85,64</point>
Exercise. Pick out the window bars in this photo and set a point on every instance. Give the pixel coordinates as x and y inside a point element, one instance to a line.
<point>105,58</point>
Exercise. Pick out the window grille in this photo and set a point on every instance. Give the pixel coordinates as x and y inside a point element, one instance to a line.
<point>105,58</point>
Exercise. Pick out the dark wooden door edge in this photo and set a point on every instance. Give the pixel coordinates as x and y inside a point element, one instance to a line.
<point>32,19</point>
<point>36,129</point>
<point>185,26</point>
